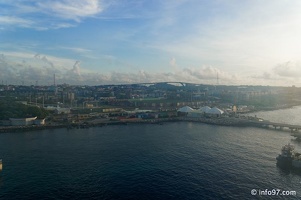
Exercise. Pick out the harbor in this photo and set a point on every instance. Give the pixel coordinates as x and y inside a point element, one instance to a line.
<point>167,150</point>
<point>232,147</point>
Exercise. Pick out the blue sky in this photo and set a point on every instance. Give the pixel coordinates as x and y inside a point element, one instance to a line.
<point>126,41</point>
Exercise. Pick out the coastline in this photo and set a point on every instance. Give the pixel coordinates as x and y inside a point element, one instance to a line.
<point>221,121</point>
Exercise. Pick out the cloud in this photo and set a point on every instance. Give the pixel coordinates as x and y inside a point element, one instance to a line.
<point>81,52</point>
<point>70,9</point>
<point>288,69</point>
<point>20,67</point>
<point>11,20</point>
<point>76,69</point>
<point>31,67</point>
<point>264,75</point>
<point>45,59</point>
<point>287,73</point>
<point>210,73</point>
<point>76,49</point>
<point>48,14</point>
<point>172,62</point>
<point>245,36</point>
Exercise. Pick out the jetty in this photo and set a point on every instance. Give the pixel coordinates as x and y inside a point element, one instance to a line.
<point>275,125</point>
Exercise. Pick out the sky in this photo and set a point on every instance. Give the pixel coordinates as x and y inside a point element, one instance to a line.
<point>95,42</point>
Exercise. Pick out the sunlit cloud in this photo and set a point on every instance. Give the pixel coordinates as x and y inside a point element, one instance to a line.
<point>245,42</point>
<point>288,69</point>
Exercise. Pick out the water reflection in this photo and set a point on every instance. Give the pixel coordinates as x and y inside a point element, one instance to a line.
<point>1,180</point>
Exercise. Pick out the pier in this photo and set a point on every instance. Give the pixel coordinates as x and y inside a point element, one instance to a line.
<point>275,125</point>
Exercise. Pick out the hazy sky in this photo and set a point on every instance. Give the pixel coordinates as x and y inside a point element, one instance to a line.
<point>125,41</point>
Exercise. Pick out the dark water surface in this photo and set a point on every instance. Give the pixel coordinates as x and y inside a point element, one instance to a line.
<point>170,161</point>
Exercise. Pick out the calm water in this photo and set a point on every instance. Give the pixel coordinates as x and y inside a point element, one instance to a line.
<point>290,116</point>
<point>172,161</point>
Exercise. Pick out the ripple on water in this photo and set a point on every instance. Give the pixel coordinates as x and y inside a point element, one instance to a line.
<point>173,161</point>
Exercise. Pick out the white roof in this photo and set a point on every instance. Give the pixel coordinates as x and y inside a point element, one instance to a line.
<point>185,109</point>
<point>215,110</point>
<point>205,109</point>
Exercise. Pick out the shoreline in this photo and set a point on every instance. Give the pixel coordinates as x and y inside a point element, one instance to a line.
<point>222,121</point>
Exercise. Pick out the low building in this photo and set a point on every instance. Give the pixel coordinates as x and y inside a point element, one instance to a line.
<point>185,109</point>
<point>215,112</point>
<point>39,122</point>
<point>5,123</point>
<point>22,121</point>
<point>205,109</point>
<point>59,110</point>
<point>26,121</point>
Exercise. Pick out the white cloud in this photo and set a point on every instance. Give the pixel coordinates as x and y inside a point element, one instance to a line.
<point>70,9</point>
<point>250,36</point>
<point>288,69</point>
<point>48,14</point>
<point>77,49</point>
<point>11,20</point>
<point>172,62</point>
<point>31,66</point>
<point>26,66</point>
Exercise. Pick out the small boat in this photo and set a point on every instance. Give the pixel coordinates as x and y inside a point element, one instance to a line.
<point>0,164</point>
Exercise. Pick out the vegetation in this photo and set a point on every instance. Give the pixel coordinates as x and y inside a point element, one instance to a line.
<point>13,109</point>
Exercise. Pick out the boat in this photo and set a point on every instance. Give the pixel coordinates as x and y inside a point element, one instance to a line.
<point>289,158</point>
<point>286,157</point>
<point>0,164</point>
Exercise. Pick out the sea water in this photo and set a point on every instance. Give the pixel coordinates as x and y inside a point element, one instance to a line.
<point>171,161</point>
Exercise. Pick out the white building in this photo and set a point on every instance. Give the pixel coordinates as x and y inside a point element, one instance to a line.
<point>39,122</point>
<point>205,109</point>
<point>26,121</point>
<point>22,121</point>
<point>185,109</point>
<point>215,112</point>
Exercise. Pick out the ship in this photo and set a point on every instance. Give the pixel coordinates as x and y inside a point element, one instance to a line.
<point>289,158</point>
<point>286,157</point>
